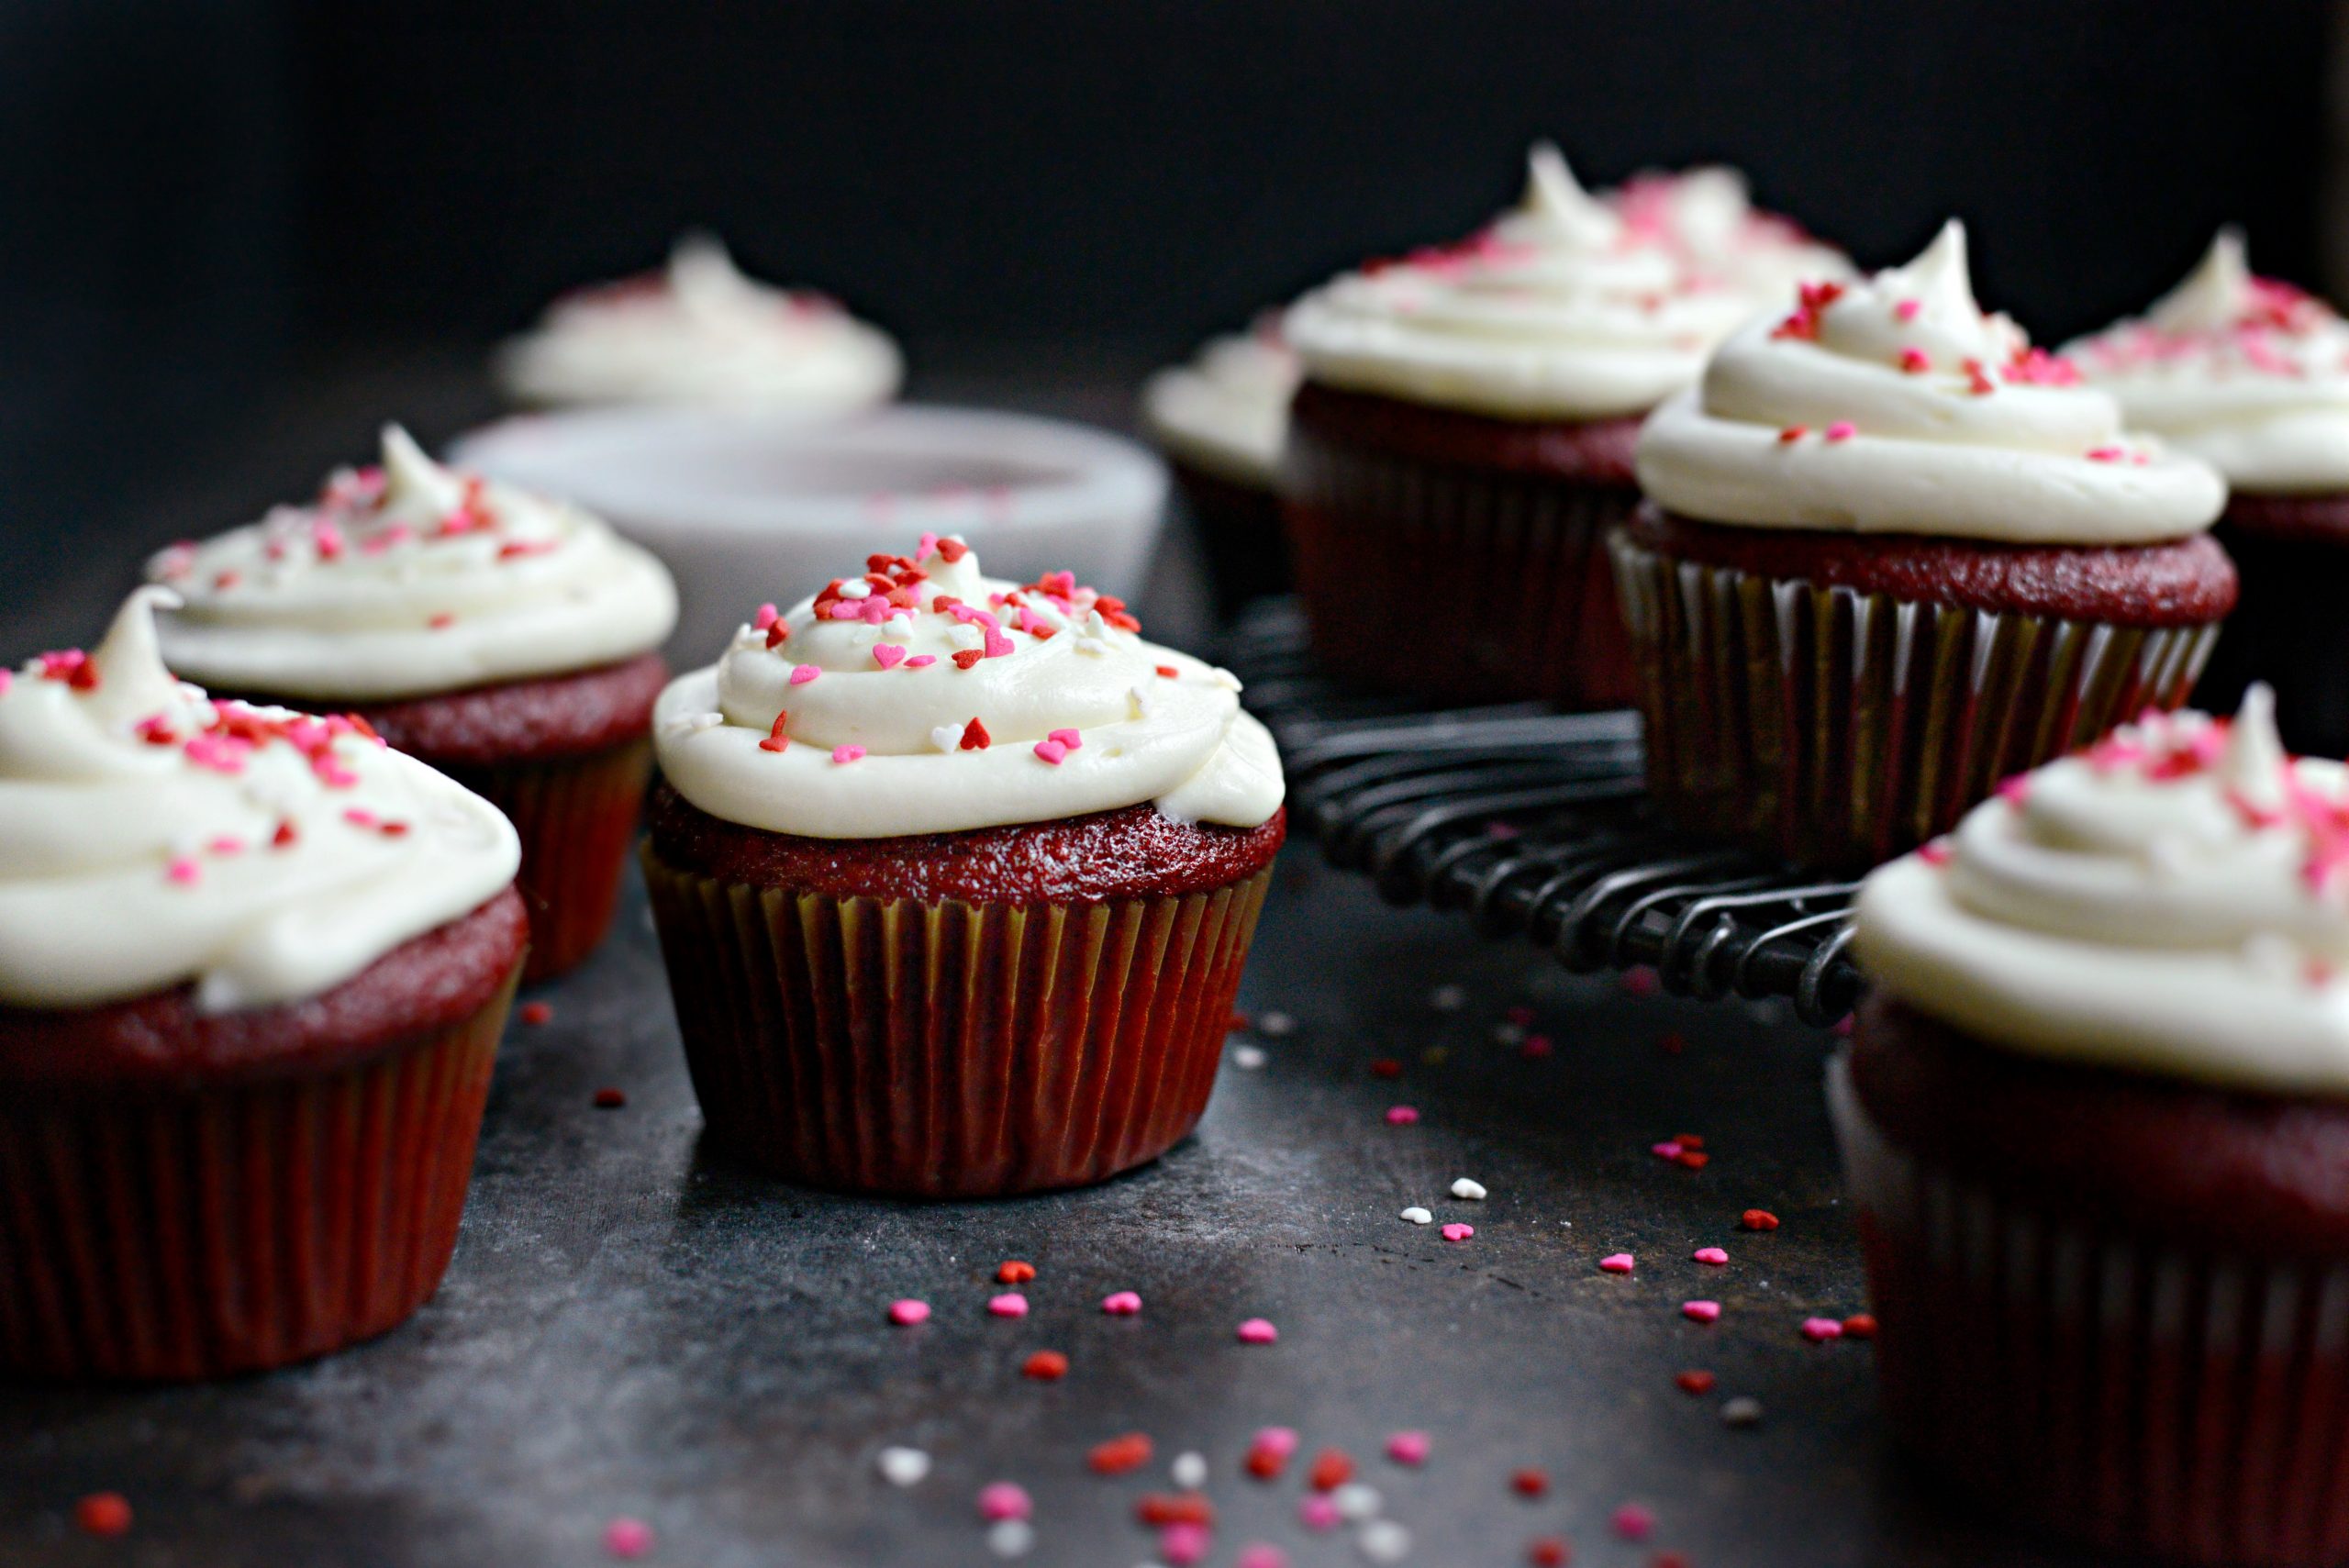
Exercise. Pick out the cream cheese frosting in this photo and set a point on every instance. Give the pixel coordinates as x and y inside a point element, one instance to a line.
<point>2246,372</point>
<point>924,697</point>
<point>701,333</point>
<point>1226,411</point>
<point>1565,308</point>
<point>1898,405</point>
<point>406,580</point>
<point>150,836</point>
<point>2174,900</point>
<point>1704,215</point>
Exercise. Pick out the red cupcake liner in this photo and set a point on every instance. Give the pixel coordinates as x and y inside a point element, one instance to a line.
<point>172,1235</point>
<point>576,817</point>
<point>1453,584</point>
<point>2129,1389</point>
<point>949,1048</point>
<point>1837,729</point>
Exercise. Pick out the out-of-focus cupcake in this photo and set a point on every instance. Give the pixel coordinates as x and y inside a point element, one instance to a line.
<point>1462,439</point>
<point>1221,421</point>
<point>1892,555</point>
<point>700,334</point>
<point>505,638</point>
<point>954,878</point>
<point>2252,375</point>
<point>253,967</point>
<point>2096,1119</point>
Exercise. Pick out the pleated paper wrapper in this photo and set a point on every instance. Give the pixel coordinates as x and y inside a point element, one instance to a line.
<point>576,817</point>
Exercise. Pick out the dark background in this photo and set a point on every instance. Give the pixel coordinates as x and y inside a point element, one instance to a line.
<point>210,208</point>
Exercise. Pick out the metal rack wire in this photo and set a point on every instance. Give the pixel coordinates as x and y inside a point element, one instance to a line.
<point>1536,823</point>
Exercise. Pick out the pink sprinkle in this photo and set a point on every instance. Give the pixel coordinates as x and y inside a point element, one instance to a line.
<point>628,1540</point>
<point>1318,1513</point>
<point>1701,1311</point>
<point>1536,1047</point>
<point>768,614</point>
<point>1010,1304</point>
<point>1617,1263</point>
<point>846,609</point>
<point>2106,454</point>
<point>921,661</point>
<point>1053,751</point>
<point>1711,1255</point>
<point>1819,1330</point>
<point>1000,1500</point>
<point>1068,738</point>
<point>803,674</point>
<point>1456,1231</point>
<point>1183,1545</point>
<point>1935,852</point>
<point>1401,1115</point>
<point>7,679</point>
<point>1633,1522</point>
<point>359,817</point>
<point>1279,1441</point>
<point>1121,1304</point>
<point>1256,1554</point>
<point>848,753</point>
<point>1907,310</point>
<point>1258,1332</point>
<point>923,547</point>
<point>888,655</point>
<point>2015,788</point>
<point>996,645</point>
<point>907,1313</point>
<point>1915,361</point>
<point>1664,1150</point>
<point>1842,430</point>
<point>183,871</point>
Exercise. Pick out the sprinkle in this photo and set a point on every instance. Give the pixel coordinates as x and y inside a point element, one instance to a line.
<point>1119,1454</point>
<point>1011,1537</point>
<point>1743,1411</point>
<point>848,753</point>
<point>1859,1326</point>
<point>442,622</point>
<point>1386,1067</point>
<point>1045,1366</point>
<point>1819,1330</point>
<point>628,1540</point>
<point>1248,1058</point>
<point>1529,1482</point>
<point>1407,1448</point>
<point>1792,434</point>
<point>1052,751</point>
<point>2106,454</point>
<point>610,1099</point>
<point>1907,310</point>
<point>1010,1304</point>
<point>1005,1500</point>
<point>996,645</point>
<point>1456,1231</point>
<point>1383,1540</point>
<point>1468,1190</point>
<point>1695,1383</point>
<point>768,614</point>
<point>904,1466</point>
<point>1189,1470</point>
<point>1318,1513</point>
<point>776,740</point>
<point>285,837</point>
<point>1256,1554</point>
<point>888,655</point>
<point>976,737</point>
<point>1168,671</point>
<point>1417,1215</point>
<point>1617,1263</point>
<point>1331,1469</point>
<point>1701,1311</point>
<point>1448,998</point>
<point>1633,1522</point>
<point>1842,430</point>
<point>102,1514</point>
<point>907,1313</point>
<point>1402,1116</point>
<point>184,871</point>
<point>1548,1551</point>
<point>1258,1332</point>
<point>1668,1149</point>
<point>966,659</point>
<point>1011,1270</point>
<point>1712,1256</point>
<point>1935,852</point>
<point>1183,1545</point>
<point>537,1013</point>
<point>1121,1304</point>
<point>1915,361</point>
<point>1757,1219</point>
<point>921,661</point>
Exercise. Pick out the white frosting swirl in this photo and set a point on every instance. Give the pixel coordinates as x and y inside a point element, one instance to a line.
<point>1898,405</point>
<point>884,727</point>
<point>701,333</point>
<point>2175,900</point>
<point>1704,215</point>
<point>1562,309</point>
<point>149,837</point>
<point>2246,372</point>
<point>408,580</point>
<point>1226,411</point>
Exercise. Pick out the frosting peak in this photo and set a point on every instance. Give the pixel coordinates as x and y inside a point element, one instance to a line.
<point>925,697</point>
<point>2174,899</point>
<point>1557,205</point>
<point>408,578</point>
<point>264,855</point>
<point>1896,403</point>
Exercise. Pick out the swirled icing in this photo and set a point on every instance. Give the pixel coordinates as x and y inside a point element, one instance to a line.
<point>923,697</point>
<point>1226,411</point>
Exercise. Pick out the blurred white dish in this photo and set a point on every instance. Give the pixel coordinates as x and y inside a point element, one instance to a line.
<point>746,507</point>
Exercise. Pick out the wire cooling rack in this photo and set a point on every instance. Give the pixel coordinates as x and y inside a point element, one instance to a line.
<point>1536,823</point>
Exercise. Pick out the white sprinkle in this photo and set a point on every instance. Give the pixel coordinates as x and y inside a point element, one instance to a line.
<point>1509,1034</point>
<point>1383,1540</point>
<point>1276,1026</point>
<point>904,1466</point>
<point>1190,1471</point>
<point>968,633</point>
<point>1011,1537</point>
<point>860,589</point>
<point>1137,701</point>
<point>946,737</point>
<point>1417,1215</point>
<point>1250,1057</point>
<point>1743,1411</point>
<point>1356,1501</point>
<point>1447,998</point>
<point>1465,1188</point>
<point>694,723</point>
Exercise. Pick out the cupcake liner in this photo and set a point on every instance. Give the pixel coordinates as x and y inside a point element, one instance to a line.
<point>2287,630</point>
<point>1838,729</point>
<point>1455,584</point>
<point>949,1048</point>
<point>576,817</point>
<point>163,1236</point>
<point>1240,529</point>
<point>2142,1394</point>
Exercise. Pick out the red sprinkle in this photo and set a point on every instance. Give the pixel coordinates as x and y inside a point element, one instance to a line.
<point>1331,1469</point>
<point>1158,1509</point>
<point>1013,1271</point>
<point>610,1099</point>
<point>1120,1455</point>
<point>1792,434</point>
<point>1859,1326</point>
<point>1045,1366</point>
<point>1696,1382</point>
<point>1167,670</point>
<point>102,1514</point>
<point>537,1012</point>
<point>1694,1159</point>
<point>1529,1483</point>
<point>628,1540</point>
<point>776,740</point>
<point>1549,1552</point>
<point>974,734</point>
<point>1386,1067</point>
<point>1757,1219</point>
<point>966,657</point>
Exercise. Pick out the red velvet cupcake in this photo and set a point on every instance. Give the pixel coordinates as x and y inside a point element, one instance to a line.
<point>1220,420</point>
<point>954,879</point>
<point>253,969</point>
<point>504,639</point>
<point>1893,554</point>
<point>1463,441</point>
<point>2095,1122</point>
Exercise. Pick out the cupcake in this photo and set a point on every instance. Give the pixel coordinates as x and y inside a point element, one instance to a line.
<point>2253,376</point>
<point>954,878</point>
<point>504,639</point>
<point>1462,439</point>
<point>2095,1122</point>
<point>1220,420</point>
<point>700,334</point>
<point>254,966</point>
<point>1891,554</point>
